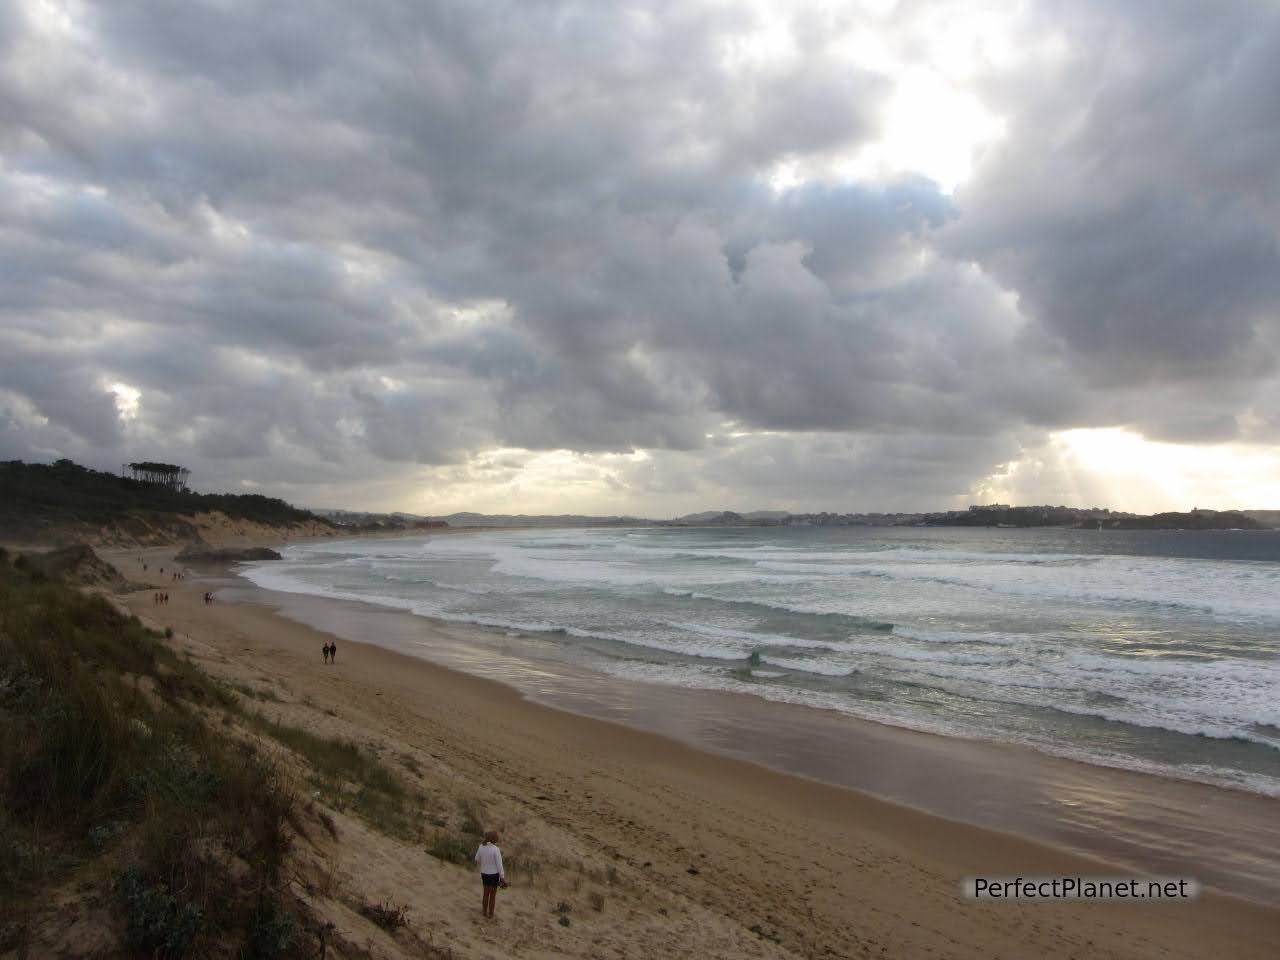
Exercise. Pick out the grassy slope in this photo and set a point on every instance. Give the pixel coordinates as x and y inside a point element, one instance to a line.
<point>131,779</point>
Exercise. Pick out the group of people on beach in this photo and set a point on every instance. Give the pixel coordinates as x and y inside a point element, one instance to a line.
<point>330,652</point>
<point>174,575</point>
<point>160,598</point>
<point>208,597</point>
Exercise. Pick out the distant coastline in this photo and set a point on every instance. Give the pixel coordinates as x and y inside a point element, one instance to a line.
<point>988,515</point>
<point>65,502</point>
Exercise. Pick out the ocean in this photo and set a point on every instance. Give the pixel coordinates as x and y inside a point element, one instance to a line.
<point>1155,651</point>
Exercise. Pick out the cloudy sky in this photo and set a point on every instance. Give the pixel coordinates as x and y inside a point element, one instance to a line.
<point>647,257</point>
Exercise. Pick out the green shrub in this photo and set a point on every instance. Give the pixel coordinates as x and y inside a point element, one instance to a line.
<point>273,931</point>
<point>155,920</point>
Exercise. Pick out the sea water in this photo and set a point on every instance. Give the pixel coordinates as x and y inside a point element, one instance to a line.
<point>1150,650</point>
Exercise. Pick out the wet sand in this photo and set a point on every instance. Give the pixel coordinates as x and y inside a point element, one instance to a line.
<point>832,871</point>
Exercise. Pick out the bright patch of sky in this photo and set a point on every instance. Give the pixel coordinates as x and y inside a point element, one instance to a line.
<point>1117,468</point>
<point>128,400</point>
<point>934,122</point>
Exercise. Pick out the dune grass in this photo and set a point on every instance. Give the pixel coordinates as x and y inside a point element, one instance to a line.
<point>110,774</point>
<point>351,778</point>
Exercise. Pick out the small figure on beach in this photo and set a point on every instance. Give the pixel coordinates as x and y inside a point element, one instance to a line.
<point>492,876</point>
<point>325,648</point>
<point>333,652</point>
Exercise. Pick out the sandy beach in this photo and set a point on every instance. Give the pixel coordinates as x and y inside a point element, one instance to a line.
<point>690,853</point>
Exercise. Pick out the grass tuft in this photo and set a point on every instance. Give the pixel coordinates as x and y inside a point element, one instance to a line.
<point>350,778</point>
<point>386,916</point>
<point>453,847</point>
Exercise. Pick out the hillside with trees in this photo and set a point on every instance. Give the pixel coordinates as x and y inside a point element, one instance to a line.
<point>64,500</point>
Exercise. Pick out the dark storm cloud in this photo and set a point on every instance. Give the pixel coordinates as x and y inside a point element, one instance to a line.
<point>1134,208</point>
<point>323,242</point>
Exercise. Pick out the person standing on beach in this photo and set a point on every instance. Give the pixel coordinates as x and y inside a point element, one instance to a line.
<point>325,651</point>
<point>333,652</point>
<point>492,875</point>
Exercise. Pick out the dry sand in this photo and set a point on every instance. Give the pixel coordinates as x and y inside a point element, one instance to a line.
<point>689,850</point>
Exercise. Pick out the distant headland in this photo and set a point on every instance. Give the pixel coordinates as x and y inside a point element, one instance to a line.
<point>149,503</point>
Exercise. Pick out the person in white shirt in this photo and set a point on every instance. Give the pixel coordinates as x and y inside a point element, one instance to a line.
<point>491,873</point>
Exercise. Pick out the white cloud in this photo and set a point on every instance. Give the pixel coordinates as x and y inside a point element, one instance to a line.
<point>128,399</point>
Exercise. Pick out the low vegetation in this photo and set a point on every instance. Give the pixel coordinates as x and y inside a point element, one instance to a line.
<point>386,916</point>
<point>113,779</point>
<point>458,845</point>
<point>350,778</point>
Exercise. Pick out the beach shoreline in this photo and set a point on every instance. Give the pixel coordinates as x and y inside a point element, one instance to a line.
<point>1137,820</point>
<point>847,867</point>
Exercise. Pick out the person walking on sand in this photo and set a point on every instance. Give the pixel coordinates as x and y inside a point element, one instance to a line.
<point>326,653</point>
<point>492,875</point>
<point>333,652</point>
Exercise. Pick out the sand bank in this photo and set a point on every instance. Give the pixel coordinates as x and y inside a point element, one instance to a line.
<point>691,850</point>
